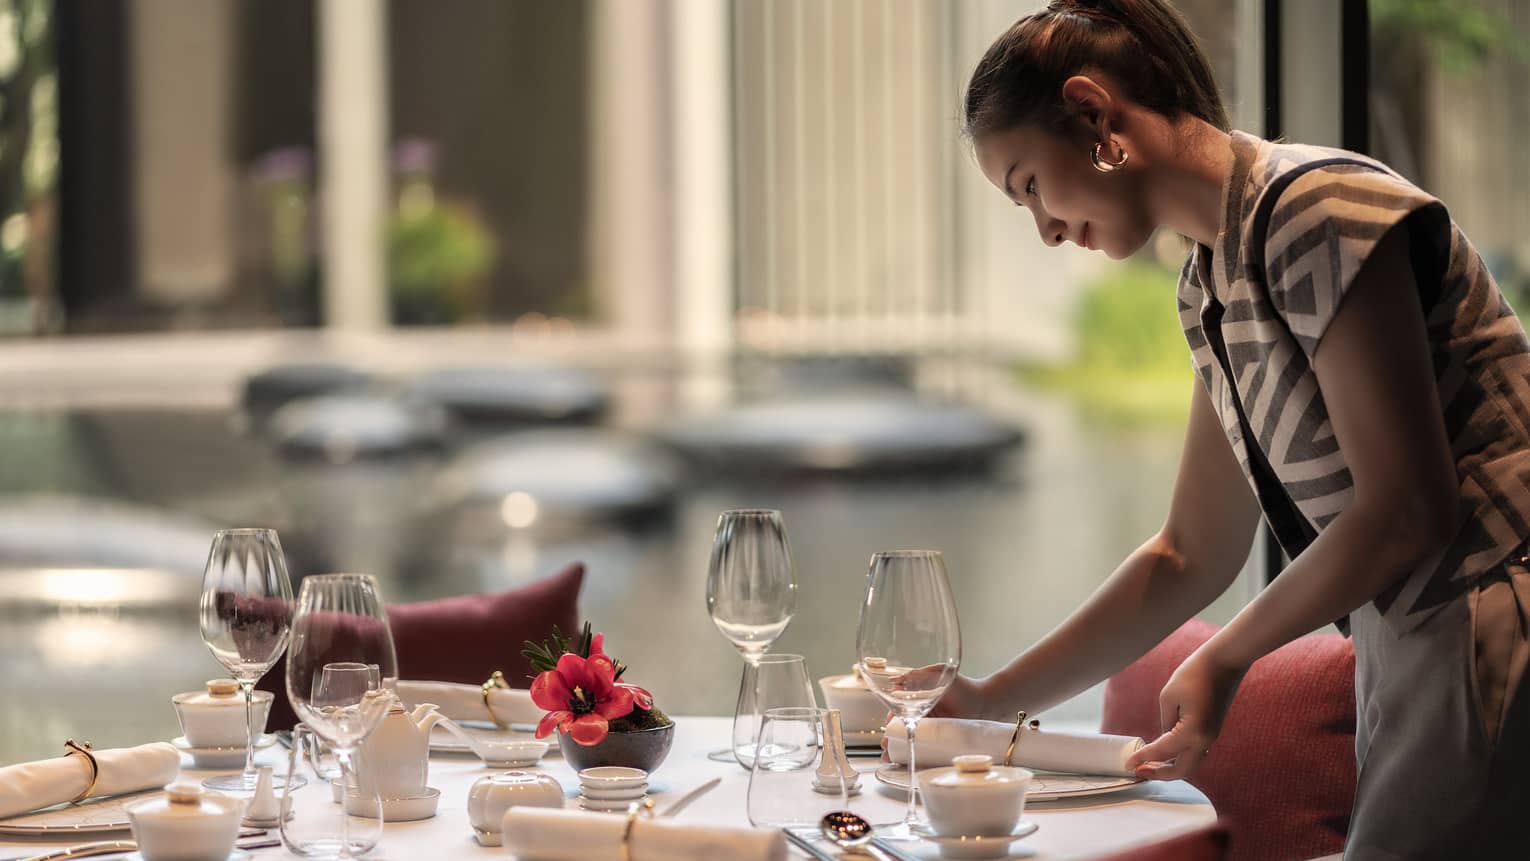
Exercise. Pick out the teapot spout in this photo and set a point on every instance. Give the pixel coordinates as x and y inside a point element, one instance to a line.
<point>425,716</point>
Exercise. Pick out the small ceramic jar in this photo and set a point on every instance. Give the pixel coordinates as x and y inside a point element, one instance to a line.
<point>975,798</point>
<point>860,710</point>
<point>491,796</point>
<point>215,717</point>
<point>186,824</point>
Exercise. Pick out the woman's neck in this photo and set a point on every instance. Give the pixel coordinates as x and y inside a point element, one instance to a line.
<point>1191,162</point>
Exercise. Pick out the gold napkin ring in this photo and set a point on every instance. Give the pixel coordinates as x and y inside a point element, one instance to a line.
<point>71,748</point>
<point>1014,738</point>
<point>635,810</point>
<point>495,681</point>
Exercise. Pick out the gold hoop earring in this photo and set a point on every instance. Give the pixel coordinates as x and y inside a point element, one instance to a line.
<point>1100,164</point>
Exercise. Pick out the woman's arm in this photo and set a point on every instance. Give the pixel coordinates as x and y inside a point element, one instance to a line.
<point>1377,378</point>
<point>1176,573</point>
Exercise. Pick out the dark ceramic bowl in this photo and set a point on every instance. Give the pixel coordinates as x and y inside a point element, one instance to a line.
<point>643,749</point>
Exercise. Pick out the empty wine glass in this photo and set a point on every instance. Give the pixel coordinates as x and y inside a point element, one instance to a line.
<point>246,616</point>
<point>908,646</point>
<point>341,670</point>
<point>751,596</point>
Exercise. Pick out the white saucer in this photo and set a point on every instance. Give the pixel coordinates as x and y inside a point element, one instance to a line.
<point>404,809</point>
<point>613,777</point>
<point>614,804</point>
<point>978,846</point>
<point>593,794</point>
<point>219,757</point>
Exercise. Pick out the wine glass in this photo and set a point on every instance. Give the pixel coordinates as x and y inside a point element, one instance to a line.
<point>908,645</point>
<point>341,670</point>
<point>246,616</point>
<point>751,595</point>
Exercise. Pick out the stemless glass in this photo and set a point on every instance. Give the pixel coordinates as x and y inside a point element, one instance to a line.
<point>784,789</point>
<point>317,830</point>
<point>341,670</point>
<point>908,645</point>
<point>776,681</point>
<point>751,596</point>
<point>246,616</point>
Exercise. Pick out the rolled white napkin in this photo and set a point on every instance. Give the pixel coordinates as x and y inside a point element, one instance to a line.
<point>465,702</point>
<point>940,739</point>
<point>46,782</point>
<point>550,834</point>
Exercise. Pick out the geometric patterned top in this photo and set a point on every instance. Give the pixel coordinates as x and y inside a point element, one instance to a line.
<point>1280,291</point>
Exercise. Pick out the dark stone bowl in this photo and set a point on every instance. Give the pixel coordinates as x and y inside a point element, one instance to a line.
<point>644,749</point>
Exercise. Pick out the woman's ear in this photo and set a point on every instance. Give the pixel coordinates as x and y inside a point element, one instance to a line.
<point>1092,104</point>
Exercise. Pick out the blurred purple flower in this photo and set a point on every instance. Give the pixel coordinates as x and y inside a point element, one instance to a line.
<point>288,164</point>
<point>414,156</point>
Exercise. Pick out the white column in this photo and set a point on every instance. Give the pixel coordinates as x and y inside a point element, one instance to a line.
<point>704,272</point>
<point>632,197</point>
<point>353,161</point>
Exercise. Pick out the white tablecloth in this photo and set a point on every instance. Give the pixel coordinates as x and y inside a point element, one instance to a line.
<point>1070,829</point>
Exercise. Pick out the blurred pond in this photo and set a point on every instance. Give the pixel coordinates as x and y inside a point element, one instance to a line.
<point>1025,543</point>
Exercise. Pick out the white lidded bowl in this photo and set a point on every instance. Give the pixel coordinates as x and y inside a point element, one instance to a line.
<point>216,717</point>
<point>491,796</point>
<point>860,710</point>
<point>974,797</point>
<point>188,823</point>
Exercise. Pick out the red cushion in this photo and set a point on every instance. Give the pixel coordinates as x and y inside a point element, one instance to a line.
<point>1282,773</point>
<point>1202,844</point>
<point>465,638</point>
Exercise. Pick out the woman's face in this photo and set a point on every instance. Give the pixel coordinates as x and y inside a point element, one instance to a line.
<point>1051,175</point>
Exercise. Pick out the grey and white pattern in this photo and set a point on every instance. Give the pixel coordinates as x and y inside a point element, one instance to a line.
<point>1279,292</point>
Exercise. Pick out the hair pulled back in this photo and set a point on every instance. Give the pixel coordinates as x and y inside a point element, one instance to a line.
<point>1144,45</point>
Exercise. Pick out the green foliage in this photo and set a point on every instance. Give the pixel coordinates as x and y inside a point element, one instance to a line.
<point>544,656</point>
<point>1132,365</point>
<point>437,255</point>
<point>1459,33</point>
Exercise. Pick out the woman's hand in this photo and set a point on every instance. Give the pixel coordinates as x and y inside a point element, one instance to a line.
<point>965,698</point>
<point>1191,707</point>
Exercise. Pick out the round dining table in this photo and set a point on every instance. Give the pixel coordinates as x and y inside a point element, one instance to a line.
<point>1085,827</point>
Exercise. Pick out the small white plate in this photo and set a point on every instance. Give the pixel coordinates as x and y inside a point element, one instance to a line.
<point>443,740</point>
<point>593,804</point>
<point>599,794</point>
<point>1045,786</point>
<point>403,809</point>
<point>206,758</point>
<point>978,846</point>
<point>613,777</point>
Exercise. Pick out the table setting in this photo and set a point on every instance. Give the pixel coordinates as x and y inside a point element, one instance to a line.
<point>583,763</point>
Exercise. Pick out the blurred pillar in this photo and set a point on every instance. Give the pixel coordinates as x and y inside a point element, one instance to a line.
<point>704,220</point>
<point>181,81</point>
<point>353,175</point>
<point>632,195</point>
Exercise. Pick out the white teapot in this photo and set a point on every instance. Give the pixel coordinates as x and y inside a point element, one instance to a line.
<point>394,760</point>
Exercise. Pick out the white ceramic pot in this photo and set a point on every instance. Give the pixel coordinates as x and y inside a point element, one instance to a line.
<point>860,710</point>
<point>974,798</point>
<point>187,824</point>
<point>491,796</point>
<point>216,717</point>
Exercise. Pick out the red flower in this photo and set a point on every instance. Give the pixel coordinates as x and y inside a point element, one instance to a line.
<point>581,696</point>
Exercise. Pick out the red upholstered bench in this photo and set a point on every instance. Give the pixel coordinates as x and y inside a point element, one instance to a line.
<point>465,638</point>
<point>1282,773</point>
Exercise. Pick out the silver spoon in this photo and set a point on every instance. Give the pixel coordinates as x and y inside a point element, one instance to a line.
<point>850,832</point>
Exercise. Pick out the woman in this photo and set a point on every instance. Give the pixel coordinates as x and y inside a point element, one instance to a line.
<point>1363,385</point>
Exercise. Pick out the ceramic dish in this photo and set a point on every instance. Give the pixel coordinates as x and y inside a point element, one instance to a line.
<point>403,809</point>
<point>613,777</point>
<point>443,740</point>
<point>210,758</point>
<point>606,806</point>
<point>595,794</point>
<point>236,855</point>
<point>977,846</point>
<point>1045,785</point>
<point>93,816</point>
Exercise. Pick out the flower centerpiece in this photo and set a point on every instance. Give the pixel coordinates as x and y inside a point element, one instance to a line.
<point>600,719</point>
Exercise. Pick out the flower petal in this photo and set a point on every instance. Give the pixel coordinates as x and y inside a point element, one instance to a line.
<point>575,671</point>
<point>602,671</point>
<point>552,721</point>
<point>617,703</point>
<point>589,729</point>
<point>643,698</point>
<point>549,691</point>
<point>597,645</point>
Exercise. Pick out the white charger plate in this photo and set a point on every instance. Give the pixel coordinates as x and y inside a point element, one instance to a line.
<point>209,758</point>
<point>1045,786</point>
<point>92,816</point>
<point>978,845</point>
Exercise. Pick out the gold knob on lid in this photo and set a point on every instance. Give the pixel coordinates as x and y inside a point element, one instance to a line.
<point>222,687</point>
<point>972,762</point>
<point>183,792</point>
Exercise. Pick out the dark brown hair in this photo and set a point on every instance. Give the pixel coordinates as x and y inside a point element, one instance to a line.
<point>1143,45</point>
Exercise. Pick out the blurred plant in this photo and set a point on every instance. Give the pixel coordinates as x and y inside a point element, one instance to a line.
<point>439,252</point>
<point>28,159</point>
<point>1131,365</point>
<point>1459,33</point>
